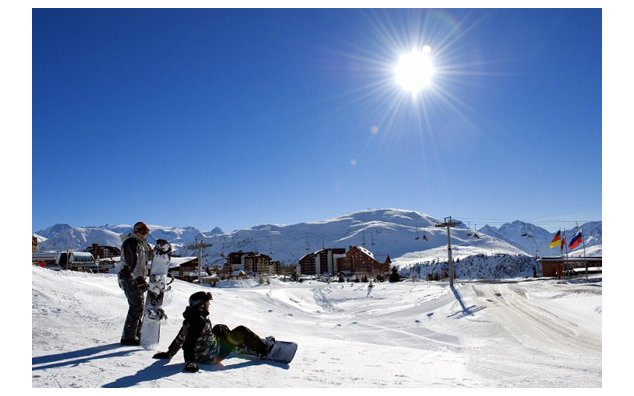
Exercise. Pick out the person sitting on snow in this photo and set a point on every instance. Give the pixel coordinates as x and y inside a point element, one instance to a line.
<point>205,344</point>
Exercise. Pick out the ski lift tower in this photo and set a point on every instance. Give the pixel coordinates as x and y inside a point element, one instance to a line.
<point>200,245</point>
<point>449,223</point>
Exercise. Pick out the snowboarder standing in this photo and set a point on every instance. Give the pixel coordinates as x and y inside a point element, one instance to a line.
<point>135,254</point>
<point>205,344</point>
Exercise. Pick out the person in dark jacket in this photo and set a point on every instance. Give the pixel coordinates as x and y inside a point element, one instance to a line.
<point>135,254</point>
<point>205,344</point>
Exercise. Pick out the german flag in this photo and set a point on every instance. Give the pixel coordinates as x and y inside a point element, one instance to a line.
<point>556,240</point>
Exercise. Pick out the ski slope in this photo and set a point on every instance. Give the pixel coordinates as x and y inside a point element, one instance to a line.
<point>535,333</point>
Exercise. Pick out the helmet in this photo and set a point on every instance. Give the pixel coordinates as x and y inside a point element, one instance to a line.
<point>162,247</point>
<point>196,299</point>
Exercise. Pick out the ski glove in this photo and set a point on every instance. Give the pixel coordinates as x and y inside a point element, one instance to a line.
<point>191,367</point>
<point>162,355</point>
<point>141,284</point>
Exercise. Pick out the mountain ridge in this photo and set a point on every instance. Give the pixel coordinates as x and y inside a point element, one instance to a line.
<point>406,236</point>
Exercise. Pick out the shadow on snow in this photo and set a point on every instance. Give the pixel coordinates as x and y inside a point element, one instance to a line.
<point>466,311</point>
<point>160,369</point>
<point>157,370</point>
<point>79,356</point>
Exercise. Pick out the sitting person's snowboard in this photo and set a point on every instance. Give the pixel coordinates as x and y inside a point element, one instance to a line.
<point>282,351</point>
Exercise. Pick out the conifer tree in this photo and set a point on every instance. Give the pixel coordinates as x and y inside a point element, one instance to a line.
<point>395,276</point>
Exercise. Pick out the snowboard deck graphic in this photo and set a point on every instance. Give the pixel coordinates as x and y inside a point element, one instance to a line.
<point>157,286</point>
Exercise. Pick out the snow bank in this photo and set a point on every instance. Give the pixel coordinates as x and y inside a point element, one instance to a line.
<point>407,334</point>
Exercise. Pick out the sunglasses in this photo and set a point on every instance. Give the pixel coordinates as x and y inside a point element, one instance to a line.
<point>142,231</point>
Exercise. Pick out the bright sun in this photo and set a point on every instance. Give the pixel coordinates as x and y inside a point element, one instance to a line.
<point>415,70</point>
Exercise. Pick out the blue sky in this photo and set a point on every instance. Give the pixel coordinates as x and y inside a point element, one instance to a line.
<point>235,118</point>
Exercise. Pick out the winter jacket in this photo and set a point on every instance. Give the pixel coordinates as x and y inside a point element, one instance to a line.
<point>196,338</point>
<point>135,254</point>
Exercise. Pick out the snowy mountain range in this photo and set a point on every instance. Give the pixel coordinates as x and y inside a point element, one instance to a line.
<point>408,237</point>
<point>535,240</point>
<point>62,236</point>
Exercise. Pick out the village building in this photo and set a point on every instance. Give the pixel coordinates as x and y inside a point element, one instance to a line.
<point>234,262</point>
<point>250,263</point>
<point>211,279</point>
<point>184,268</point>
<point>257,263</point>
<point>558,266</point>
<point>238,275</point>
<point>323,261</point>
<point>103,252</point>
<point>307,264</point>
<point>357,260</point>
<point>276,267</point>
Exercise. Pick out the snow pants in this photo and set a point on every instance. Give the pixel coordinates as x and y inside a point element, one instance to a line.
<point>238,337</point>
<point>132,326</point>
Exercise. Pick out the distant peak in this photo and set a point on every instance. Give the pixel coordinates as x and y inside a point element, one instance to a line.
<point>384,213</point>
<point>57,228</point>
<point>216,230</point>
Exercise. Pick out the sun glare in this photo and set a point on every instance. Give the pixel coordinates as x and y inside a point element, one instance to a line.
<point>415,70</point>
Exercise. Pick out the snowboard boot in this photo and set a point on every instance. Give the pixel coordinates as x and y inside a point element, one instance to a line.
<point>268,342</point>
<point>130,341</point>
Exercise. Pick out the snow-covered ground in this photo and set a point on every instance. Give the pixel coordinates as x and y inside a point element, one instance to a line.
<point>518,333</point>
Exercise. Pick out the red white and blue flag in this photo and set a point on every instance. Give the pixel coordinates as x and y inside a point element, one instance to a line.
<point>576,241</point>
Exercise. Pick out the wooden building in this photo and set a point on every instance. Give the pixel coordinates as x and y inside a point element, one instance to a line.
<point>250,262</point>
<point>307,264</point>
<point>184,268</point>
<point>101,252</point>
<point>360,260</point>
<point>257,263</point>
<point>276,267</point>
<point>557,267</point>
<point>335,260</point>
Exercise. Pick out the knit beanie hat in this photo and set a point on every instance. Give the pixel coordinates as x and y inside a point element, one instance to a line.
<point>198,298</point>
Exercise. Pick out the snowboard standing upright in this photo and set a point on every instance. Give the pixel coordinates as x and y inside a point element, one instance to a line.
<point>153,313</point>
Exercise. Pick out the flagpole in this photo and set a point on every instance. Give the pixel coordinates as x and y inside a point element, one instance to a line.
<point>557,241</point>
<point>564,251</point>
<point>583,241</point>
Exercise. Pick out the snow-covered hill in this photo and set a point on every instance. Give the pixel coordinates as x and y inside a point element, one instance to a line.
<point>408,237</point>
<point>476,266</point>
<point>62,236</point>
<point>525,236</point>
<point>593,238</point>
<point>535,240</point>
<point>544,333</point>
<point>385,232</point>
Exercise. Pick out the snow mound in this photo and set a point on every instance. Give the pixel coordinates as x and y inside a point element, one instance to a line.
<point>406,334</point>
